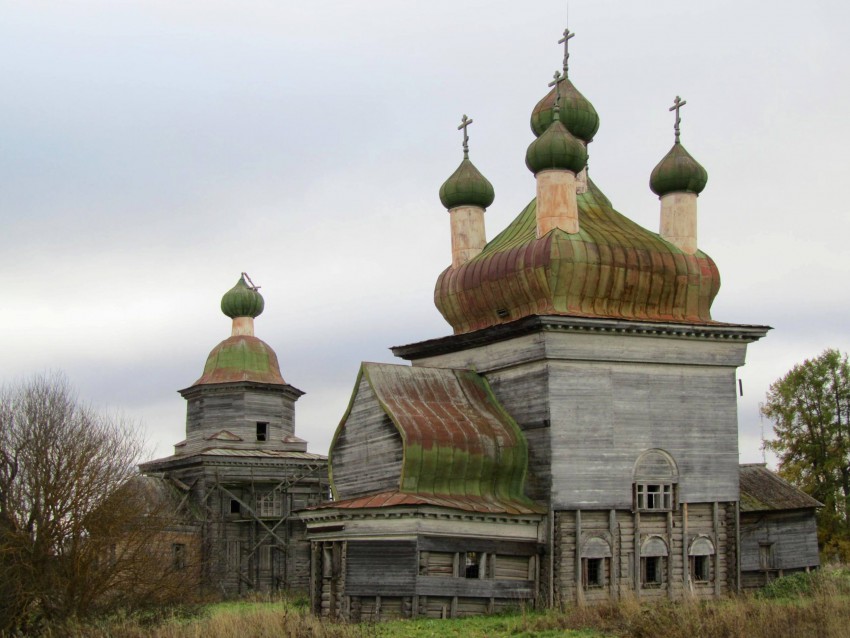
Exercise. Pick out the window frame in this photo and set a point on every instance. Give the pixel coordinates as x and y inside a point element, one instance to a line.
<point>654,496</point>
<point>262,431</point>
<point>270,504</point>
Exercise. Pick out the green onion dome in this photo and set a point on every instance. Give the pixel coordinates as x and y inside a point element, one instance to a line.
<point>556,149</point>
<point>242,301</point>
<point>678,172</point>
<point>577,113</point>
<point>467,187</point>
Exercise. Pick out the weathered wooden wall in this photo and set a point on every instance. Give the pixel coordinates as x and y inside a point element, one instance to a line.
<point>238,409</point>
<point>625,532</point>
<point>793,535</point>
<point>367,455</point>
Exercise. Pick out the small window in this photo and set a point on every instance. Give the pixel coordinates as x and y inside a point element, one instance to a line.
<point>234,506</point>
<point>701,569</point>
<point>472,565</point>
<point>766,555</point>
<point>262,431</point>
<point>178,556</point>
<point>593,572</point>
<point>656,497</point>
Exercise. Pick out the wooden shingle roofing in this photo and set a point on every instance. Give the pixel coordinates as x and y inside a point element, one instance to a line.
<point>459,445</point>
<point>763,490</point>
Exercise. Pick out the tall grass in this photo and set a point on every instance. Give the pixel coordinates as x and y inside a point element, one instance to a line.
<point>799,606</point>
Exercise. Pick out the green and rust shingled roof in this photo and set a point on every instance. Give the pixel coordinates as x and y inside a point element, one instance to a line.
<point>611,268</point>
<point>241,358</point>
<point>461,449</point>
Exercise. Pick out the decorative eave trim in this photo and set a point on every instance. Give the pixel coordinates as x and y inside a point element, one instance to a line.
<point>551,323</point>
<point>206,388</point>
<point>329,513</point>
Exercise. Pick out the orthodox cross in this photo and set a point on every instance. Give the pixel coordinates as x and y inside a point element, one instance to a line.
<point>568,35</point>
<point>464,123</point>
<point>677,104</point>
<point>557,84</point>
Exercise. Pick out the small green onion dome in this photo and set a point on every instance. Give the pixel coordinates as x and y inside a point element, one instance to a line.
<point>577,113</point>
<point>678,172</point>
<point>242,301</point>
<point>556,149</point>
<point>467,187</point>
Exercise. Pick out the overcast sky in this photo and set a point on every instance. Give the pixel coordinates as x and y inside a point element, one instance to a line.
<point>151,151</point>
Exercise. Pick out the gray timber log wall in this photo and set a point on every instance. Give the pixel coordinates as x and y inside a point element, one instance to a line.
<point>367,455</point>
<point>237,409</point>
<point>792,535</point>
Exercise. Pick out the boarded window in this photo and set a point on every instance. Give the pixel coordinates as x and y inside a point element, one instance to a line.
<point>233,554</point>
<point>510,567</point>
<point>381,568</point>
<point>178,556</point>
<point>437,564</point>
<point>766,555</point>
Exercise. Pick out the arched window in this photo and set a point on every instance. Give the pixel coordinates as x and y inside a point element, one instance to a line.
<point>655,479</point>
<point>700,553</point>
<point>653,562</point>
<point>595,562</point>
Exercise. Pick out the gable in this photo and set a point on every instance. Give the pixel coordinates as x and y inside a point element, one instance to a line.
<point>452,437</point>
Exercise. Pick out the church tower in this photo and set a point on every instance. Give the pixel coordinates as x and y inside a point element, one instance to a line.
<point>241,469</point>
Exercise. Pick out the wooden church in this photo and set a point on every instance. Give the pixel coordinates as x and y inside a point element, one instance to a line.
<point>575,439</point>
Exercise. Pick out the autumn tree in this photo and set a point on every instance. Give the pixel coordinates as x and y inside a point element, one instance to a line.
<point>810,410</point>
<point>76,530</point>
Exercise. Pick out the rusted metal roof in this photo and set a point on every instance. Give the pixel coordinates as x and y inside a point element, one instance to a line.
<point>611,268</point>
<point>465,503</point>
<point>241,358</point>
<point>763,490</point>
<point>458,441</point>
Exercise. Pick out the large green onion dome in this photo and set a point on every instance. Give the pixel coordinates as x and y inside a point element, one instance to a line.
<point>242,301</point>
<point>467,187</point>
<point>576,112</point>
<point>678,172</point>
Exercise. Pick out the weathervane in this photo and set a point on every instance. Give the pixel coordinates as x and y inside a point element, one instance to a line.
<point>677,104</point>
<point>557,84</point>
<point>568,35</point>
<point>464,123</point>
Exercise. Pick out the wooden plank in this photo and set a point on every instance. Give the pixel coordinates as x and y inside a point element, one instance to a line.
<point>480,588</point>
<point>468,544</point>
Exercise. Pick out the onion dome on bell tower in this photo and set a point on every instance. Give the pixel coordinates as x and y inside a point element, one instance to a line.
<point>466,186</point>
<point>677,180</point>
<point>466,193</point>
<point>678,171</point>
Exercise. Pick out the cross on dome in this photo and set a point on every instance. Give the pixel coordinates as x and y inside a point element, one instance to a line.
<point>464,123</point>
<point>568,35</point>
<point>677,104</point>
